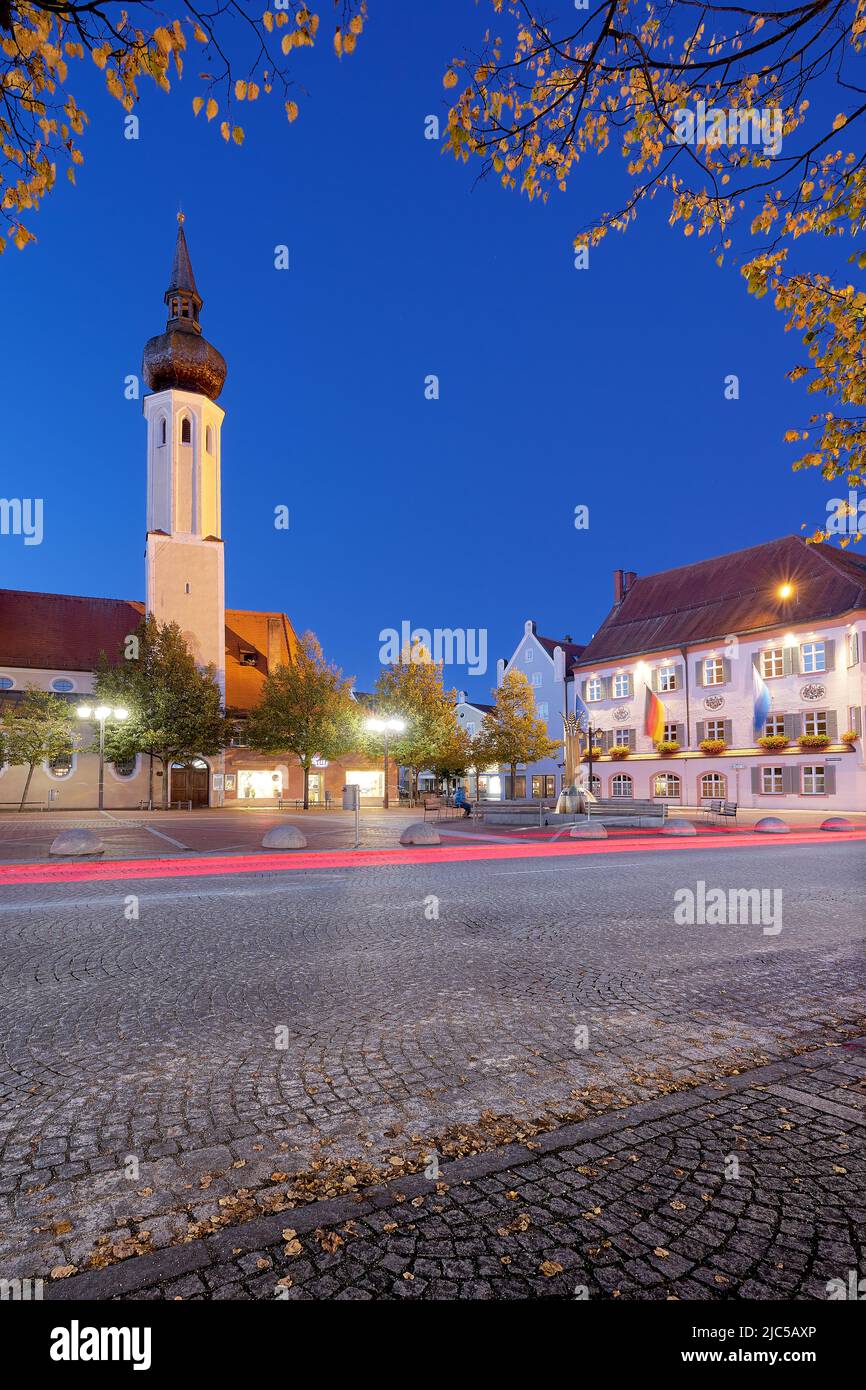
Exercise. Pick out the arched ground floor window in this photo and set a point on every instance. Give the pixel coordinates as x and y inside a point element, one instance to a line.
<point>621,785</point>
<point>714,785</point>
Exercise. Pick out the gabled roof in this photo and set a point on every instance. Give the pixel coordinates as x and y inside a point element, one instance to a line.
<point>67,632</point>
<point>573,650</point>
<point>736,593</point>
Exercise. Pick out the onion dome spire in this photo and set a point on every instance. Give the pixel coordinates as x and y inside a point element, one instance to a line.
<point>182,357</point>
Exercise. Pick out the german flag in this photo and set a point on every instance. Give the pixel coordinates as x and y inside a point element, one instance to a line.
<point>654,716</point>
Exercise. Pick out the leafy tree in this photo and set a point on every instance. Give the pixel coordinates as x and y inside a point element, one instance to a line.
<point>482,755</point>
<point>175,709</point>
<point>512,732</point>
<point>453,757</point>
<point>35,730</point>
<point>305,709</point>
<point>412,689</point>
<point>627,75</point>
<point>43,41</point>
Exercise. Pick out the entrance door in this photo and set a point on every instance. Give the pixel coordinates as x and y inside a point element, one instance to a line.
<point>189,782</point>
<point>316,789</point>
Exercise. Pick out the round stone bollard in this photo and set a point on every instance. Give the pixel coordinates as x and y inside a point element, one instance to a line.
<point>284,837</point>
<point>418,833</point>
<point>678,826</point>
<point>836,823</point>
<point>771,825</point>
<point>76,842</point>
<point>587,832</point>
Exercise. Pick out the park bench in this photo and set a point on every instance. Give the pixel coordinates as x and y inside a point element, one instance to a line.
<point>628,808</point>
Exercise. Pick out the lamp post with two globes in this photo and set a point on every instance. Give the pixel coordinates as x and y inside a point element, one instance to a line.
<point>100,713</point>
<point>385,727</point>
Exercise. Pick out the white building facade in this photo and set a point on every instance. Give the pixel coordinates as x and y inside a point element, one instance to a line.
<point>694,637</point>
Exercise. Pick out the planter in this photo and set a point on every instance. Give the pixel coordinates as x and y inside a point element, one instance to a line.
<point>666,748</point>
<point>773,742</point>
<point>849,737</point>
<point>596,754</point>
<point>814,741</point>
<point>712,746</point>
<point>619,753</point>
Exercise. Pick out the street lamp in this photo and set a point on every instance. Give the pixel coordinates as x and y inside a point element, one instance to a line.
<point>100,714</point>
<point>385,727</point>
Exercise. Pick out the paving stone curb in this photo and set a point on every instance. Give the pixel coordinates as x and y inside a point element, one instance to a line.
<point>143,1271</point>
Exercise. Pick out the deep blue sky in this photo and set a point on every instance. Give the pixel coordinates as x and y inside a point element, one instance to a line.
<point>558,387</point>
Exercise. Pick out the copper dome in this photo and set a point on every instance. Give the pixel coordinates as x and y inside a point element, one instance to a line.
<point>181,357</point>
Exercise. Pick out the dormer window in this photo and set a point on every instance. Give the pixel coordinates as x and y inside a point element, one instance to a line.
<point>186,430</point>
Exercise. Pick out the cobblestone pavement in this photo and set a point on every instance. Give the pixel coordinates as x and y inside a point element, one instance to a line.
<point>750,1189</point>
<point>185,1060</point>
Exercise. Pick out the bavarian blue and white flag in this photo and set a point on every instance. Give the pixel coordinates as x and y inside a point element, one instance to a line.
<point>762,702</point>
<point>582,713</point>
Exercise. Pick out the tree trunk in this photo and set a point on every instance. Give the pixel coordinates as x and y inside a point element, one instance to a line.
<point>166,779</point>
<point>513,767</point>
<point>26,786</point>
<point>306,768</point>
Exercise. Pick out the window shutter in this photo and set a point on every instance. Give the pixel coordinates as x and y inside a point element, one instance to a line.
<point>700,730</point>
<point>793,726</point>
<point>795,660</point>
<point>680,676</point>
<point>856,720</point>
<point>829,778</point>
<point>855,648</point>
<point>729,731</point>
<point>632,739</point>
<point>699,673</point>
<point>830,655</point>
<point>583,685</point>
<point>791,779</point>
<point>756,779</point>
<point>606,686</point>
<point>681,735</point>
<point>630,679</point>
<point>788,660</point>
<point>655,678</point>
<point>726,667</point>
<point>833,725</point>
<point>756,661</point>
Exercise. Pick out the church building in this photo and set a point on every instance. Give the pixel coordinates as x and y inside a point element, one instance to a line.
<point>53,641</point>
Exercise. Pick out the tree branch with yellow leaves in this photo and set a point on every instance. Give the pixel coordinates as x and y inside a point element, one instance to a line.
<point>745,118</point>
<point>41,123</point>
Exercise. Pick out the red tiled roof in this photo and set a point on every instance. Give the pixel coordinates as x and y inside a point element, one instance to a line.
<point>67,632</point>
<point>733,593</point>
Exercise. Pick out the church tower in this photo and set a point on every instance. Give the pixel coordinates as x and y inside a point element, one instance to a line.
<point>185,578</point>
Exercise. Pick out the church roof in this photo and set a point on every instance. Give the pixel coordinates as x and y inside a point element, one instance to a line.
<point>67,632</point>
<point>734,593</point>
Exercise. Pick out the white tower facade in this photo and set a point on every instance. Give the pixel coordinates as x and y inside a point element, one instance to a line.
<point>185,572</point>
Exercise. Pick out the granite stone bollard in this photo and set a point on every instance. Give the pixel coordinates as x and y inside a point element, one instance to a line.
<point>284,837</point>
<point>836,823</point>
<point>772,825</point>
<point>678,826</point>
<point>76,842</point>
<point>419,833</point>
<point>587,832</point>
